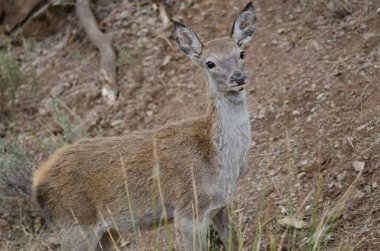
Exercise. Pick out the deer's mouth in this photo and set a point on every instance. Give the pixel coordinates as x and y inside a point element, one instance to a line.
<point>239,87</point>
<point>236,90</point>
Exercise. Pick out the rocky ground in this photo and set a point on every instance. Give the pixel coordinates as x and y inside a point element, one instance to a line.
<point>314,100</point>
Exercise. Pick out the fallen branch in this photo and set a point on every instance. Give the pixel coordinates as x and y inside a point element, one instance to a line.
<point>101,40</point>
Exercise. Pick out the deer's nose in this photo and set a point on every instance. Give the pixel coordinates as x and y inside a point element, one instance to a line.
<point>238,77</point>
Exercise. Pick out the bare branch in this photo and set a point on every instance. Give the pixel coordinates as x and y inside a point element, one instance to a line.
<point>102,41</point>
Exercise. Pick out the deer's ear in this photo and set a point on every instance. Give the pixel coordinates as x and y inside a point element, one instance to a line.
<point>187,40</point>
<point>245,25</point>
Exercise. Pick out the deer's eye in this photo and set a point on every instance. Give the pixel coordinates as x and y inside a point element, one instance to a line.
<point>210,64</point>
<point>242,54</point>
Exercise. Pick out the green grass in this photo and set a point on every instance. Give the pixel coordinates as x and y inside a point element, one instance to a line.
<point>31,70</point>
<point>16,163</point>
<point>132,59</point>
<point>10,78</point>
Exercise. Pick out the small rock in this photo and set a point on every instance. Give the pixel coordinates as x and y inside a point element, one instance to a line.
<point>298,10</point>
<point>338,8</point>
<point>374,185</point>
<point>331,184</point>
<point>166,60</point>
<point>340,177</point>
<point>355,195</point>
<point>296,112</point>
<point>368,189</point>
<point>300,175</point>
<point>321,97</point>
<point>304,163</point>
<point>362,127</point>
<point>124,14</point>
<point>56,91</point>
<point>317,46</point>
<point>124,243</point>
<point>116,122</point>
<point>42,111</point>
<point>91,119</point>
<point>358,166</point>
<point>336,72</point>
<point>283,210</point>
<point>274,42</point>
<point>338,184</point>
<point>291,222</point>
<point>261,113</point>
<point>109,95</point>
<point>53,240</point>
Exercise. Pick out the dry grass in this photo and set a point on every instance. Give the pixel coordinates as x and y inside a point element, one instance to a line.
<point>319,226</point>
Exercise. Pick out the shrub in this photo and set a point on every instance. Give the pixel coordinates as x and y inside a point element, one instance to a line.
<point>10,78</point>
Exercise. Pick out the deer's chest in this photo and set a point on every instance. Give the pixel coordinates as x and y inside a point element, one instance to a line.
<point>232,142</point>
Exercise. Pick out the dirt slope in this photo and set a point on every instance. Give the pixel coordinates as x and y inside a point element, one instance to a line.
<point>313,98</point>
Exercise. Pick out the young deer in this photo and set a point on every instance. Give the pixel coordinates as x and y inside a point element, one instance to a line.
<point>97,189</point>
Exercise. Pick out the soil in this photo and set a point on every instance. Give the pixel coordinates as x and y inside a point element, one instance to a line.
<point>314,101</point>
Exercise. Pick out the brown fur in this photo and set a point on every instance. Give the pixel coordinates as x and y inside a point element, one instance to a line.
<point>80,182</point>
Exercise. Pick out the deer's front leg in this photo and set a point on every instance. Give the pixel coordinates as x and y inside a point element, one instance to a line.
<point>193,232</point>
<point>225,229</point>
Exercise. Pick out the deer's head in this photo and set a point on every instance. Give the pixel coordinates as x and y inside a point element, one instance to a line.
<point>222,59</point>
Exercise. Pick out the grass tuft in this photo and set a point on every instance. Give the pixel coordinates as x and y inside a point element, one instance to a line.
<point>10,78</point>
<point>16,164</point>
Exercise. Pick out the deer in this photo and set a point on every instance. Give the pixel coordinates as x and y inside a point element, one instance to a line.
<point>98,189</point>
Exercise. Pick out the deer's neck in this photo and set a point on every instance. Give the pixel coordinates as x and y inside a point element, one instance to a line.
<point>231,131</point>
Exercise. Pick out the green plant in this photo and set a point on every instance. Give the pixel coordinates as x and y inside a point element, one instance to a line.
<point>132,59</point>
<point>78,56</point>
<point>16,164</point>
<point>18,154</point>
<point>10,78</point>
<point>31,69</point>
<point>70,129</point>
<point>214,241</point>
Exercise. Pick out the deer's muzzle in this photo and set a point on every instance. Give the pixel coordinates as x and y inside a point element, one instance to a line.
<point>238,77</point>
